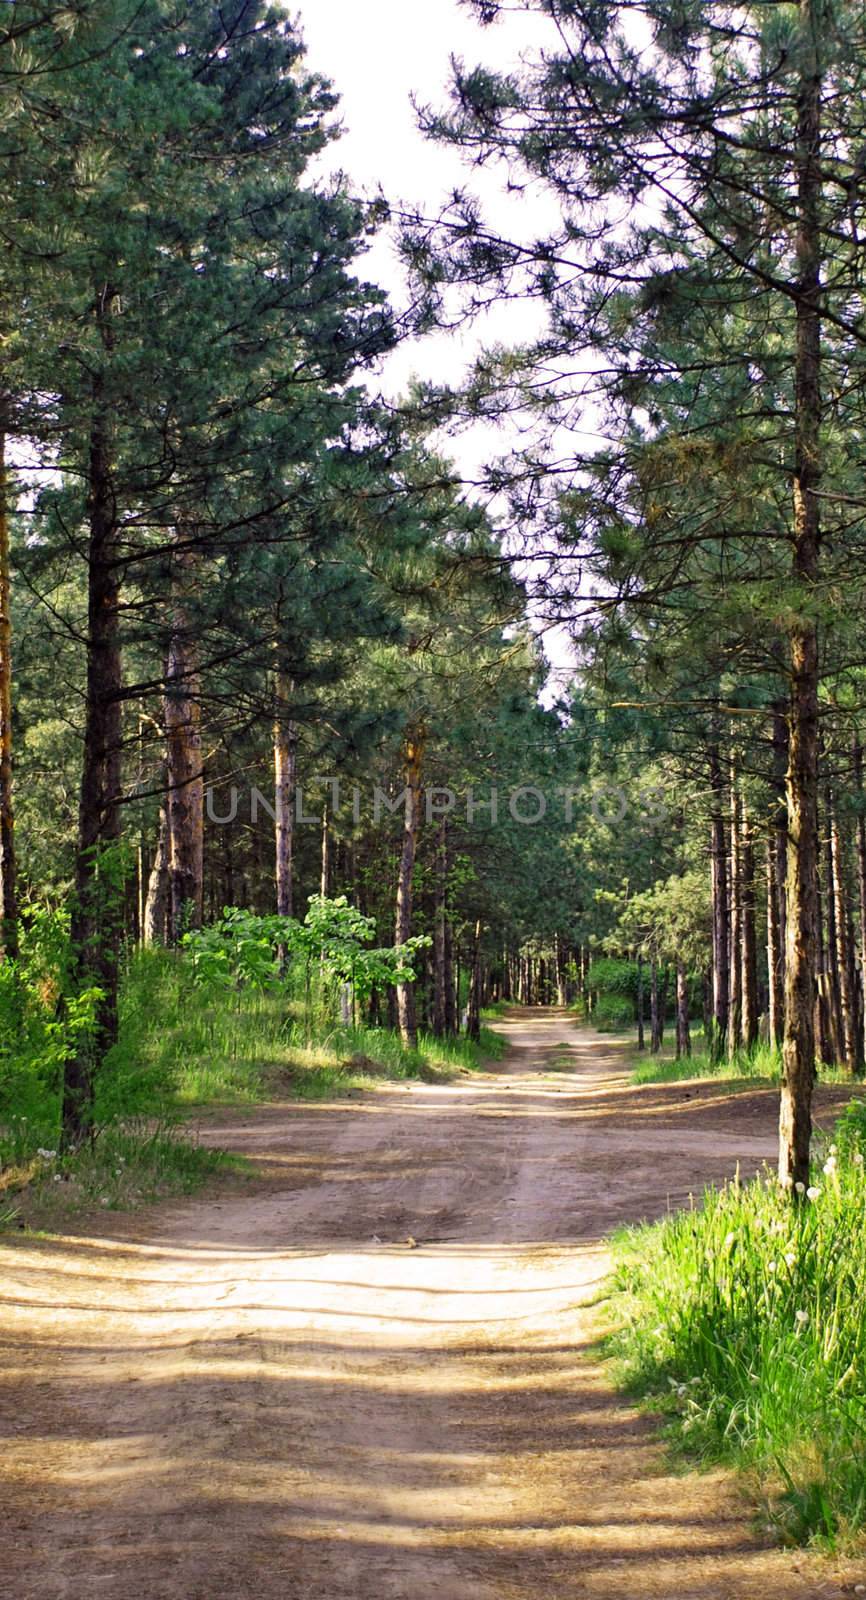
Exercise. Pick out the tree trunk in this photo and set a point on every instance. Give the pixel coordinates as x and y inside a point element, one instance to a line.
<point>823,1008</point>
<point>684,1041</point>
<point>184,757</point>
<point>798,1051</point>
<point>861,886</point>
<point>440,918</point>
<point>641,1041</point>
<point>285,778</point>
<point>848,1030</point>
<point>450,981</point>
<point>97,908</point>
<point>749,978</point>
<point>735,1002</point>
<point>779,845</point>
<point>156,904</point>
<point>326,853</point>
<point>473,1007</point>
<point>774,948</point>
<point>413,758</point>
<point>561,995</point>
<point>721,923</point>
<point>831,964</point>
<point>8,892</point>
<point>656,1025</point>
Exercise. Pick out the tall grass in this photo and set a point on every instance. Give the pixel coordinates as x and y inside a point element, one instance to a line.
<point>180,1047</point>
<point>253,1045</point>
<point>764,1064</point>
<point>744,1319</point>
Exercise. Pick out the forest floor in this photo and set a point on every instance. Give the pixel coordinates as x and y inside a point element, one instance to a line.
<point>369,1370</point>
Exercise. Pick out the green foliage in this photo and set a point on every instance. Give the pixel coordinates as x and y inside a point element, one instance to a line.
<point>615,984</point>
<point>606,976</point>
<point>247,1045</point>
<point>128,1165</point>
<point>243,950</point>
<point>611,1013</point>
<point>851,1129</point>
<point>744,1318</point>
<point>43,1021</point>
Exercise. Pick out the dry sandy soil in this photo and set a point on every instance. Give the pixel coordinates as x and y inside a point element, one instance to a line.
<point>369,1372</point>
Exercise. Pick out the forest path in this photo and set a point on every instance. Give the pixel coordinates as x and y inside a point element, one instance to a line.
<point>272,1393</point>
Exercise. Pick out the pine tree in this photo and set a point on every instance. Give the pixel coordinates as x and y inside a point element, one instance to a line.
<point>762,219</point>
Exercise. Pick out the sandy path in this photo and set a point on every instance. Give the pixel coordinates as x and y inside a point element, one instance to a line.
<point>273,1394</point>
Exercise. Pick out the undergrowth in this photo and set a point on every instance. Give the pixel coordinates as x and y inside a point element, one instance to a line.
<point>743,1321</point>
<point>255,1044</point>
<point>763,1064</point>
<point>124,1166</point>
<point>181,1045</point>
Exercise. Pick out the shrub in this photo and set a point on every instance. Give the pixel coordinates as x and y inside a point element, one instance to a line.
<point>610,1013</point>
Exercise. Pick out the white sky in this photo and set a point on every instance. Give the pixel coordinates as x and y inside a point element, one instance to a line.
<point>378,54</point>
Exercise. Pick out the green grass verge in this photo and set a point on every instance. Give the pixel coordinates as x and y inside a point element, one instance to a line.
<point>747,1068</point>
<point>252,1045</point>
<point>181,1048</point>
<point>126,1166</point>
<point>743,1321</point>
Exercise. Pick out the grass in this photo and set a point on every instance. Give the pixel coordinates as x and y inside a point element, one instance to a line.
<point>126,1166</point>
<point>182,1048</point>
<point>252,1045</point>
<point>743,1321</point>
<point>763,1065</point>
<point>747,1068</point>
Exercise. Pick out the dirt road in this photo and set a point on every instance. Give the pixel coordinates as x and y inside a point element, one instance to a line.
<point>367,1374</point>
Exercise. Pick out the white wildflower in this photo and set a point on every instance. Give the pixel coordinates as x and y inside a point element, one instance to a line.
<point>834,1149</point>
<point>47,1155</point>
<point>801,1317</point>
<point>830,1166</point>
<point>730,1239</point>
<point>771,1266</point>
<point>790,1259</point>
<point>858,1158</point>
<point>814,1191</point>
<point>57,1178</point>
<point>800,1188</point>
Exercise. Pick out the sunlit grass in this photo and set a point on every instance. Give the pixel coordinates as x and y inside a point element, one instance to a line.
<point>123,1167</point>
<point>761,1065</point>
<point>251,1045</point>
<point>181,1047</point>
<point>744,1321</point>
